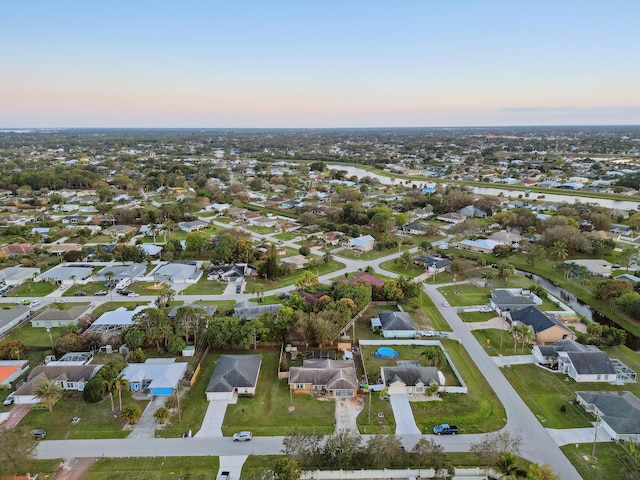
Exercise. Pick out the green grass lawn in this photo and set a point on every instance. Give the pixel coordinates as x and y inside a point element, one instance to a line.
<point>193,403</point>
<point>108,306</point>
<point>496,338</point>
<point>323,269</point>
<point>269,413</point>
<point>477,411</point>
<point>261,230</point>
<point>205,287</point>
<point>286,236</point>
<point>412,272</point>
<point>154,468</point>
<point>270,300</point>
<point>255,465</point>
<point>476,316</point>
<point>467,295</point>
<point>34,337</point>
<point>610,461</point>
<point>89,288</point>
<point>32,289</point>
<point>370,420</point>
<point>223,305</point>
<point>96,419</point>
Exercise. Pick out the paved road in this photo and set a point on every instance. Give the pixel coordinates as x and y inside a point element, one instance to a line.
<point>538,445</point>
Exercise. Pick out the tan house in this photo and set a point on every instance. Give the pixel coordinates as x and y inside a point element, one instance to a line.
<point>325,377</point>
<point>410,380</point>
<point>59,318</point>
<point>546,327</point>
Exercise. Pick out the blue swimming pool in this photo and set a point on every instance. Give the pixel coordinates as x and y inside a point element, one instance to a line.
<point>387,353</point>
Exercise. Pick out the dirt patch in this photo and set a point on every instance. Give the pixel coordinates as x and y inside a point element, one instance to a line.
<point>73,468</point>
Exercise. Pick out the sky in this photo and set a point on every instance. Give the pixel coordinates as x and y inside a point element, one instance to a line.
<point>305,64</point>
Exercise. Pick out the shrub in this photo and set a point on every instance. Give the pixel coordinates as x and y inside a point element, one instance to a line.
<point>131,413</point>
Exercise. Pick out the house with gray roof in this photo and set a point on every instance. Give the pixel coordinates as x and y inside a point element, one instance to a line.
<point>618,412</point>
<point>410,380</point>
<point>234,375</point>
<point>332,379</point>
<point>396,325</point>
<point>546,327</point>
<point>67,274</point>
<point>192,226</point>
<point>17,275</point>
<point>121,272</point>
<point>174,272</point>
<point>248,310</point>
<point>67,377</point>
<point>11,317</point>
<point>510,299</point>
<point>159,376</point>
<point>52,317</point>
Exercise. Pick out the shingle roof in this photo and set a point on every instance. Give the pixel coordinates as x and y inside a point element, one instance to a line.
<point>538,320</point>
<point>396,321</point>
<point>620,410</point>
<point>333,374</point>
<point>235,371</point>
<point>70,373</point>
<point>592,363</point>
<point>411,375</point>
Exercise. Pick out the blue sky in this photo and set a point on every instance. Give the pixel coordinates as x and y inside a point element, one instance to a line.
<point>318,64</point>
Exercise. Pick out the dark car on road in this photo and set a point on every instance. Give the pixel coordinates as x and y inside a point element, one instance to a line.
<point>445,429</point>
<point>80,294</point>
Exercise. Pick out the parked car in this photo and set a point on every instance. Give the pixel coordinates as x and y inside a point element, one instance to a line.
<point>61,300</point>
<point>124,292</point>
<point>80,294</point>
<point>111,284</point>
<point>39,433</point>
<point>223,476</point>
<point>426,333</point>
<point>133,294</point>
<point>238,288</point>
<point>445,429</point>
<point>101,293</point>
<point>9,400</point>
<point>242,436</point>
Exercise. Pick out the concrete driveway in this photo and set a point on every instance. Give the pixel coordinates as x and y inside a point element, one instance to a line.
<point>513,360</point>
<point>347,411</point>
<point>232,464</point>
<point>405,422</point>
<point>146,426</point>
<point>578,435</point>
<point>213,418</point>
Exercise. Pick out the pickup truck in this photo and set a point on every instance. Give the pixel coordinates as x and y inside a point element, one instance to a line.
<point>445,429</point>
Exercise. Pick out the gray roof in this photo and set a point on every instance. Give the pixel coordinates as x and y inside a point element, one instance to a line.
<point>235,371</point>
<point>178,271</point>
<point>51,314</point>
<point>592,363</point>
<point>620,410</point>
<point>396,321</point>
<point>537,319</point>
<point>332,374</point>
<point>67,373</point>
<point>68,272</point>
<point>506,297</point>
<point>411,375</point>
<point>18,273</point>
<point>250,311</point>
<point>8,315</point>
<point>124,271</point>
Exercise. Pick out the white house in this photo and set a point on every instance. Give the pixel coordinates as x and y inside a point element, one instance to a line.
<point>233,375</point>
<point>395,325</point>
<point>618,412</point>
<point>67,377</point>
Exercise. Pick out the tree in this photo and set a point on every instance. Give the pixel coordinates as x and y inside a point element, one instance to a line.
<point>16,459</point>
<point>120,382</point>
<point>434,356</point>
<point>134,336</point>
<point>431,454</point>
<point>304,251</point>
<point>559,251</point>
<point>507,464</point>
<point>286,469</point>
<point>161,415</point>
<point>306,280</point>
<point>495,444</point>
<point>505,270</point>
<point>48,392</point>
<point>527,335</point>
<point>544,472</point>
<point>131,413</point>
<point>405,260</point>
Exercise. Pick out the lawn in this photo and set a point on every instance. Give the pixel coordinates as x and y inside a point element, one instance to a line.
<point>545,392</point>
<point>261,230</point>
<point>96,419</point>
<point>496,338</point>
<point>269,412</point>
<point>323,269</point>
<point>32,289</point>
<point>109,306</point>
<point>154,468</point>
<point>609,463</point>
<point>411,272</point>
<point>464,295</point>
<point>270,300</point>
<point>286,236</point>
<point>377,416</point>
<point>477,316</point>
<point>193,402</point>
<point>205,287</point>
<point>363,324</point>
<point>477,411</point>
<point>89,288</point>
<point>223,305</point>
<point>255,465</point>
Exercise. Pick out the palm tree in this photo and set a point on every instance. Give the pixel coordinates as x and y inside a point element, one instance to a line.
<point>111,388</point>
<point>425,246</point>
<point>435,356</point>
<point>527,335</point>
<point>507,464</point>
<point>161,415</point>
<point>48,392</point>
<point>559,250</point>
<point>516,331</point>
<point>120,382</point>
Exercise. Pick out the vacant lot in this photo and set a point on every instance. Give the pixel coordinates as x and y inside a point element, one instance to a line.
<point>205,287</point>
<point>32,289</point>
<point>464,294</point>
<point>154,468</point>
<point>500,342</point>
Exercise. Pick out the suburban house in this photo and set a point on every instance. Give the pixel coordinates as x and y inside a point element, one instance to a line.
<point>192,226</point>
<point>67,274</point>
<point>332,238</point>
<point>546,327</point>
<point>160,376</point>
<point>267,222</point>
<point>16,249</point>
<point>583,363</point>
<point>472,211</point>
<point>510,299</point>
<point>231,272</point>
<point>414,228</point>
<point>121,272</point>
<point>395,325</point>
<point>119,231</point>
<point>410,380</point>
<point>364,277</point>
<point>432,263</point>
<point>452,217</point>
<point>324,376</point>
<point>298,261</point>
<point>187,272</point>
<point>11,317</point>
<point>618,412</point>
<point>248,310</point>
<point>59,318</point>
<point>506,238</point>
<point>363,243</point>
<point>482,245</point>
<point>17,275</point>
<point>114,321</point>
<point>68,377</point>
<point>11,370</point>
<point>233,375</point>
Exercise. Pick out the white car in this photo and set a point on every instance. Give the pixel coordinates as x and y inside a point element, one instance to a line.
<point>445,304</point>
<point>427,333</point>
<point>242,436</point>
<point>133,294</point>
<point>35,302</point>
<point>9,400</point>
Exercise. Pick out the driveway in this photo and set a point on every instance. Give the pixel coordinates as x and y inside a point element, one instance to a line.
<point>232,464</point>
<point>513,360</point>
<point>15,415</point>
<point>405,422</point>
<point>213,418</point>
<point>146,426</point>
<point>578,435</point>
<point>347,411</point>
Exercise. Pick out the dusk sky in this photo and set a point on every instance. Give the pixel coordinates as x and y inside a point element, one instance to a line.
<point>190,63</point>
